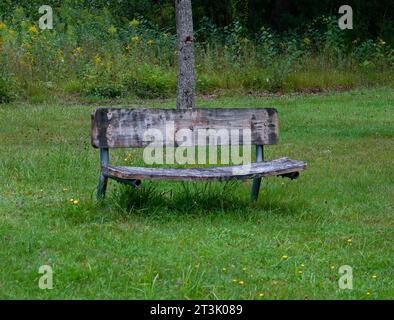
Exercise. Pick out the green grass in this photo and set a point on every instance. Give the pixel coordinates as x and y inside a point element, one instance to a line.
<point>172,240</point>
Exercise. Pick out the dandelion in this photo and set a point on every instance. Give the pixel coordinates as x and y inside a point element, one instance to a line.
<point>368,293</point>
<point>97,59</point>
<point>307,41</point>
<point>382,42</point>
<point>2,25</point>
<point>134,23</point>
<point>33,29</point>
<point>285,257</point>
<point>299,271</point>
<point>241,282</point>
<point>332,267</point>
<point>261,294</point>
<point>135,39</point>
<point>72,200</point>
<point>112,30</point>
<point>150,42</point>
<point>349,242</point>
<point>77,50</point>
<point>374,276</point>
<point>75,202</point>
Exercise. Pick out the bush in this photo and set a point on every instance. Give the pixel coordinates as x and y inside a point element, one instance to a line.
<point>106,90</point>
<point>6,92</point>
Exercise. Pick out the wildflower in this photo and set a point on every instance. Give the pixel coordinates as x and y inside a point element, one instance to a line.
<point>261,294</point>
<point>75,202</point>
<point>368,293</point>
<point>134,23</point>
<point>2,25</point>
<point>135,39</point>
<point>285,257</point>
<point>112,30</point>
<point>307,41</point>
<point>349,242</point>
<point>299,271</point>
<point>244,269</point>
<point>128,47</point>
<point>77,50</point>
<point>226,46</point>
<point>332,267</point>
<point>241,282</point>
<point>72,200</point>
<point>150,42</point>
<point>65,189</point>
<point>33,29</point>
<point>224,269</point>
<point>374,276</point>
<point>235,280</point>
<point>302,265</point>
<point>382,42</point>
<point>97,59</point>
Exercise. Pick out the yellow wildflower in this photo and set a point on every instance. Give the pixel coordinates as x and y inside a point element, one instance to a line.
<point>349,242</point>
<point>261,294</point>
<point>65,189</point>
<point>77,50</point>
<point>75,202</point>
<point>128,47</point>
<point>33,29</point>
<point>135,39</point>
<point>235,280</point>
<point>285,257</point>
<point>382,42</point>
<point>368,293</point>
<point>97,59</point>
<point>134,23</point>
<point>307,41</point>
<point>224,269</point>
<point>150,42</point>
<point>241,282</point>
<point>2,25</point>
<point>332,267</point>
<point>302,265</point>
<point>374,276</point>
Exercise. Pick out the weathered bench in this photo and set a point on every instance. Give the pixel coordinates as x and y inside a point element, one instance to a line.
<point>125,128</point>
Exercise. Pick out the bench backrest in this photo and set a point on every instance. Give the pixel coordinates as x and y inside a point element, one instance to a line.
<point>125,128</point>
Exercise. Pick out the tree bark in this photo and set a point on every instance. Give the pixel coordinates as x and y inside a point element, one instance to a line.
<point>185,43</point>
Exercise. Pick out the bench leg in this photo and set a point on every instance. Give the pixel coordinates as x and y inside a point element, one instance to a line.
<point>102,186</point>
<point>103,180</point>
<point>257,181</point>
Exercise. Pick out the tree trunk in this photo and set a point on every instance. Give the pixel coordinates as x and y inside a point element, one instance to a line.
<point>185,41</point>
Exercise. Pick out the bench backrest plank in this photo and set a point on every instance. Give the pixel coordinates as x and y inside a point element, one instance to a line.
<point>126,128</point>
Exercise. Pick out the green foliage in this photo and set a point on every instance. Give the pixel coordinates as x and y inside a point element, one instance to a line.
<point>6,90</point>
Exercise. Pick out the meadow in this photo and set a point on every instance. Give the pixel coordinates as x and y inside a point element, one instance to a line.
<point>201,240</point>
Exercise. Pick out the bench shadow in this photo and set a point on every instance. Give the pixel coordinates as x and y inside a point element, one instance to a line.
<point>200,199</point>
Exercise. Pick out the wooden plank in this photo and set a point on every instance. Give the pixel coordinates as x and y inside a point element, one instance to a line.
<point>259,169</point>
<point>117,128</point>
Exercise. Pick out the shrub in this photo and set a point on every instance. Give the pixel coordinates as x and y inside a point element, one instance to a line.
<point>6,92</point>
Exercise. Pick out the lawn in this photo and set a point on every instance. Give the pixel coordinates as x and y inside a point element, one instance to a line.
<point>196,240</point>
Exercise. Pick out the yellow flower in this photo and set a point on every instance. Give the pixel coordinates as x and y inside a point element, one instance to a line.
<point>332,267</point>
<point>112,30</point>
<point>382,42</point>
<point>368,293</point>
<point>374,276</point>
<point>65,189</point>
<point>300,271</point>
<point>75,202</point>
<point>285,257</point>
<point>235,280</point>
<point>307,41</point>
<point>2,25</point>
<point>302,265</point>
<point>33,29</point>
<point>135,38</point>
<point>261,294</point>
<point>349,242</point>
<point>72,200</point>
<point>241,282</point>
<point>97,59</point>
<point>244,269</point>
<point>128,47</point>
<point>150,42</point>
<point>134,23</point>
<point>224,269</point>
<point>77,50</point>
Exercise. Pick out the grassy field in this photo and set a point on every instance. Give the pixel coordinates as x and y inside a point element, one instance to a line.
<point>196,240</point>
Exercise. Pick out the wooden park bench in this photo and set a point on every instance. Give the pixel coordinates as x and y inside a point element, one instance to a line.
<point>124,128</point>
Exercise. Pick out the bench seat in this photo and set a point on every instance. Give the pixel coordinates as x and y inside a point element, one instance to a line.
<point>279,167</point>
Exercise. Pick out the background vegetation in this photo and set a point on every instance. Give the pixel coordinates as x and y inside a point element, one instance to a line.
<point>127,48</point>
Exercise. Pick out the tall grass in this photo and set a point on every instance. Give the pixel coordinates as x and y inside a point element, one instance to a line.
<point>86,54</point>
